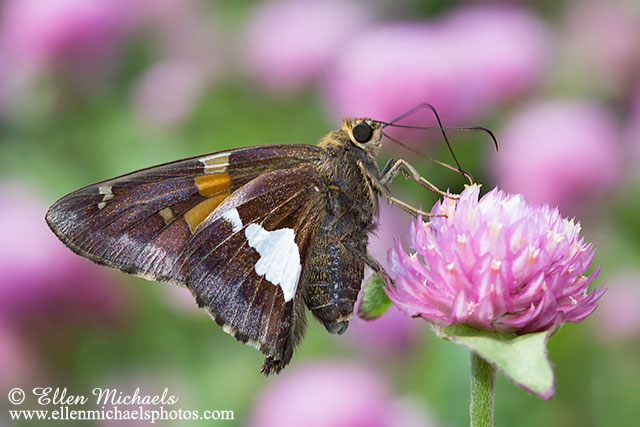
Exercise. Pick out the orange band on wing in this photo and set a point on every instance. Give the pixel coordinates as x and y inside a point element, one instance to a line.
<point>214,183</point>
<point>199,212</point>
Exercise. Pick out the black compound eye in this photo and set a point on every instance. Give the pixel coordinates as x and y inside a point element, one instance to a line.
<point>362,132</point>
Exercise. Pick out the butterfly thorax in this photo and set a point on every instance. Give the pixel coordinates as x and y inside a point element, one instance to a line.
<point>349,172</point>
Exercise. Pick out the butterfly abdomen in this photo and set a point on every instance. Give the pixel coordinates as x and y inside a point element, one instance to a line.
<point>334,276</point>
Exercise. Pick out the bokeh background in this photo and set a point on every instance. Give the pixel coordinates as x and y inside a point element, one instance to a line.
<point>90,89</point>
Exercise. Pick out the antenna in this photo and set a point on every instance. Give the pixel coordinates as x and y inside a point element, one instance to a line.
<point>441,128</point>
<point>463,172</point>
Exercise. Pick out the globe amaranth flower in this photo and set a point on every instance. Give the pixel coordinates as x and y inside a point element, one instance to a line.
<point>291,43</point>
<point>618,318</point>
<point>497,263</point>
<point>64,30</point>
<point>333,394</point>
<point>43,287</point>
<point>609,57</point>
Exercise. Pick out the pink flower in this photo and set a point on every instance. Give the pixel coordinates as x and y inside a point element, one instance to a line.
<point>18,366</point>
<point>391,68</point>
<point>4,87</point>
<point>290,43</point>
<point>168,92</point>
<point>559,152</point>
<point>42,284</point>
<point>78,30</point>
<point>391,222</point>
<point>391,334</point>
<point>190,58</point>
<point>462,63</point>
<point>501,51</point>
<point>619,314</point>
<point>494,264</point>
<point>633,134</point>
<point>162,10</point>
<point>330,394</point>
<point>603,42</point>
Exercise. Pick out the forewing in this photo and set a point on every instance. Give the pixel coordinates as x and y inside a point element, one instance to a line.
<point>246,260</point>
<point>141,222</point>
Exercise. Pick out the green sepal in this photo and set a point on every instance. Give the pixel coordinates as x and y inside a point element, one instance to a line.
<point>521,358</point>
<point>375,301</point>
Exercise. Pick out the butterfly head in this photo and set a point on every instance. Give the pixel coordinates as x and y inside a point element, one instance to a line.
<point>365,134</point>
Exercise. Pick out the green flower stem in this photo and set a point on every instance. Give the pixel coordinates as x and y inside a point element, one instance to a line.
<point>483,382</point>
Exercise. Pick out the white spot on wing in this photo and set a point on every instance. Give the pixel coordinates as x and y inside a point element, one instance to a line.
<point>167,215</point>
<point>233,217</point>
<point>215,162</point>
<point>104,189</point>
<point>279,259</point>
<point>107,195</point>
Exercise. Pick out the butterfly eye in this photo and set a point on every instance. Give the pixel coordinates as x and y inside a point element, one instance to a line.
<point>362,132</point>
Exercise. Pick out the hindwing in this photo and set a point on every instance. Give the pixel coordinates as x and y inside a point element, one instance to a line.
<point>246,260</point>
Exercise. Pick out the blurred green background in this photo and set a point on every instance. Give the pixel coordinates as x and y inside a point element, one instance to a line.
<point>91,89</point>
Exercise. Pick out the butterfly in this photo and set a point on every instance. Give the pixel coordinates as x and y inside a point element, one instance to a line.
<point>256,233</point>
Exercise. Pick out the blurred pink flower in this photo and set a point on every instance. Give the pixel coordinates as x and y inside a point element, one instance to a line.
<point>501,51</point>
<point>603,37</point>
<point>168,91</point>
<point>559,152</point>
<point>180,299</point>
<point>496,263</point>
<point>389,335</point>
<point>162,10</point>
<point>42,283</point>
<point>619,314</point>
<point>462,64</point>
<point>635,107</point>
<point>17,365</point>
<point>81,31</point>
<point>391,222</point>
<point>4,87</point>
<point>391,68</point>
<point>633,133</point>
<point>190,58</point>
<point>291,42</point>
<point>328,394</point>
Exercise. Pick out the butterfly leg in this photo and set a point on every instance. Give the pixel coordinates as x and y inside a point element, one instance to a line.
<point>390,171</point>
<point>406,207</point>
<point>371,263</point>
<point>384,190</point>
<point>393,167</point>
